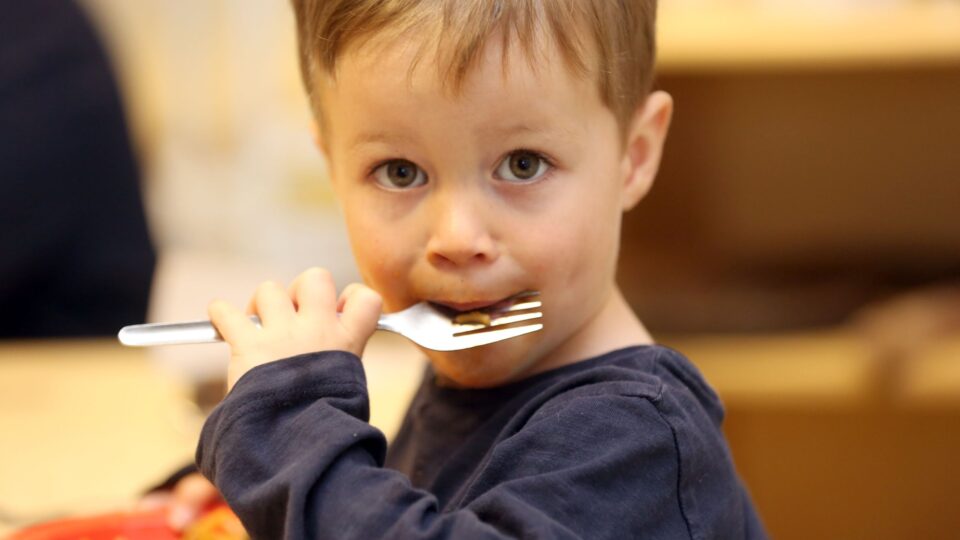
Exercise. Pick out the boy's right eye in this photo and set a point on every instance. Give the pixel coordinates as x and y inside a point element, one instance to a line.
<point>399,174</point>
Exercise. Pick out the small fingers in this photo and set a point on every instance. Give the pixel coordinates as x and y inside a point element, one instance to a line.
<point>229,321</point>
<point>315,293</point>
<point>360,308</point>
<point>273,304</point>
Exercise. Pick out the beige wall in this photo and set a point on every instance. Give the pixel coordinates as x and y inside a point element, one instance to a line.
<point>236,192</point>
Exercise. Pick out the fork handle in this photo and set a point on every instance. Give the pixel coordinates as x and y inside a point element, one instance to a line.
<point>177,333</point>
<point>185,333</point>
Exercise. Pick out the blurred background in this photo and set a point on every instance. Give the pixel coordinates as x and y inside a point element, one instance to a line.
<point>801,244</point>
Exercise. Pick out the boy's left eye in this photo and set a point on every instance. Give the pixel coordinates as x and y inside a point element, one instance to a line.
<point>399,174</point>
<point>522,166</point>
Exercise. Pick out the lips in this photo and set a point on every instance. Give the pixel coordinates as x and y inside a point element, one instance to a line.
<point>461,306</point>
<point>466,306</point>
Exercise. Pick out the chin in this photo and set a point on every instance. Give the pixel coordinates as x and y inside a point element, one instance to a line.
<point>489,365</point>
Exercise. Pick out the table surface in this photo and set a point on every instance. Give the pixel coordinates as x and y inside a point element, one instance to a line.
<point>86,426</point>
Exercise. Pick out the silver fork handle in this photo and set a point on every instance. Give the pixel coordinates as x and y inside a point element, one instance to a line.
<point>177,333</point>
<point>184,333</point>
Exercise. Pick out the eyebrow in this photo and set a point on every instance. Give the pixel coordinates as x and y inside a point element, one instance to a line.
<point>367,138</point>
<point>370,137</point>
<point>525,129</point>
<point>555,135</point>
<point>495,132</point>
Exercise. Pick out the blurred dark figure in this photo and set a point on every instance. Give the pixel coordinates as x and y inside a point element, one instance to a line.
<point>75,254</point>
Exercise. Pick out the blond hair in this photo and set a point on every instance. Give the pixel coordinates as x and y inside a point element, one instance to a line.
<point>618,33</point>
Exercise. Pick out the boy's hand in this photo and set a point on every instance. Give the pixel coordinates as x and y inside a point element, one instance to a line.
<point>185,502</point>
<point>305,318</point>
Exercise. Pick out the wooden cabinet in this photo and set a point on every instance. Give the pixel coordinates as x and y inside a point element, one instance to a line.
<point>808,171</point>
<point>813,168</point>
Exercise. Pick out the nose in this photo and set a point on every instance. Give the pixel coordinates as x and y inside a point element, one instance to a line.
<point>460,233</point>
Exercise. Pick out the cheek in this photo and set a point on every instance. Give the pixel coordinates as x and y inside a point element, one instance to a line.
<point>383,258</point>
<point>369,248</point>
<point>578,273</point>
<point>585,239</point>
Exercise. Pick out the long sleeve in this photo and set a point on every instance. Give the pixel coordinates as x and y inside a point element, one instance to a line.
<point>292,452</point>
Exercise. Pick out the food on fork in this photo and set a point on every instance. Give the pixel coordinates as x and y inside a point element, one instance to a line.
<point>473,317</point>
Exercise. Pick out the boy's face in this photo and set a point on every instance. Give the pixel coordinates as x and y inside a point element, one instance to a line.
<point>516,183</point>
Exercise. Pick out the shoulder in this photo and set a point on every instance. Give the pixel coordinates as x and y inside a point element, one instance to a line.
<point>648,403</point>
<point>658,376</point>
<point>637,395</point>
<point>651,407</point>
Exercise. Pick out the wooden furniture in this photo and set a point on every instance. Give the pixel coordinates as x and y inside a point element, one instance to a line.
<point>724,35</point>
<point>87,425</point>
<point>811,168</point>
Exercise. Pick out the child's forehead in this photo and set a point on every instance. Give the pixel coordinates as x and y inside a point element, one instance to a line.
<point>440,55</point>
<point>404,75</point>
<point>517,90</point>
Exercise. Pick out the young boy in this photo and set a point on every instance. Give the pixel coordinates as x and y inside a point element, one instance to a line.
<point>478,149</point>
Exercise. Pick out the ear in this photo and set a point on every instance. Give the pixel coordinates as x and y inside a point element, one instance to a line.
<point>644,146</point>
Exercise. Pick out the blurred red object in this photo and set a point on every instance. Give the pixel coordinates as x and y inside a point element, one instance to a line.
<point>217,523</point>
<point>151,525</point>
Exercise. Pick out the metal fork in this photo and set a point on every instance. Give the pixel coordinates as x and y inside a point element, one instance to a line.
<point>426,324</point>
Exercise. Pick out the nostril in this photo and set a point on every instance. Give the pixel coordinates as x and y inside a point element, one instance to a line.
<point>449,258</point>
<point>438,260</point>
<point>462,253</point>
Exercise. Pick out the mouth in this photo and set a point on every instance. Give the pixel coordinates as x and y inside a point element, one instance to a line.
<point>489,306</point>
<point>461,307</point>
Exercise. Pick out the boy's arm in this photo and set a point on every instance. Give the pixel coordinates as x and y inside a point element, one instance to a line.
<point>285,431</point>
<point>292,452</point>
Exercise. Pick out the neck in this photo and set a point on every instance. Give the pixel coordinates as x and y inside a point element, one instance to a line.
<point>614,326</point>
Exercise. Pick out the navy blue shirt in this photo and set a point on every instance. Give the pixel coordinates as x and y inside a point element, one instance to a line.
<point>624,445</point>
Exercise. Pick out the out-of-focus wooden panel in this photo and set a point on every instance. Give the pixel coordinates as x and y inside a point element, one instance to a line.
<point>737,35</point>
<point>875,472</point>
<point>833,442</point>
<point>790,198</point>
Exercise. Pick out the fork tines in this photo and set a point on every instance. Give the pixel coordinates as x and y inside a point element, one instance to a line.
<point>524,307</point>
